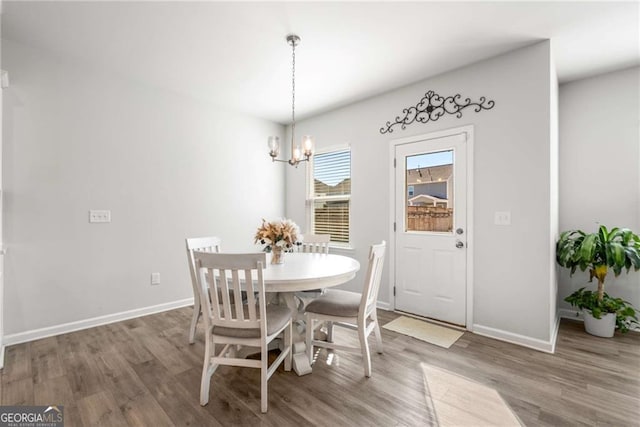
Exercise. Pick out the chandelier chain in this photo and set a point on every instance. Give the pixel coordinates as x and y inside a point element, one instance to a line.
<point>293,91</point>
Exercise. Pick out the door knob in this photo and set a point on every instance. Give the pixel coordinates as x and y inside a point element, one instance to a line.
<point>459,244</point>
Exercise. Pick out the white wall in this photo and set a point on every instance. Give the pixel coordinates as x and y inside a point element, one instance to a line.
<point>599,166</point>
<point>78,138</point>
<point>513,150</point>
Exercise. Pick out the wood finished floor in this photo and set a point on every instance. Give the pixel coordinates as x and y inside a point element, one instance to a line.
<point>142,372</point>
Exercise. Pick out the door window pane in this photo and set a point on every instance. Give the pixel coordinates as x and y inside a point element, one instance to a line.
<point>429,192</point>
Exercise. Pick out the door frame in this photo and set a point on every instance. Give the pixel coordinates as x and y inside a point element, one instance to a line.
<point>468,130</point>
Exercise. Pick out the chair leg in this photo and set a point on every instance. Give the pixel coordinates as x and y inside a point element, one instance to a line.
<point>207,372</point>
<point>288,342</point>
<point>376,330</point>
<point>309,338</point>
<point>364,347</point>
<point>194,321</point>
<point>329,331</point>
<point>264,367</point>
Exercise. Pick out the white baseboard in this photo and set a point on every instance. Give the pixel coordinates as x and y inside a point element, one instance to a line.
<point>523,340</point>
<point>384,306</point>
<point>64,328</point>
<point>569,313</point>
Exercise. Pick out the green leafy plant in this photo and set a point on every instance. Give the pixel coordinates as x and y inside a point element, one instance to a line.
<point>617,249</point>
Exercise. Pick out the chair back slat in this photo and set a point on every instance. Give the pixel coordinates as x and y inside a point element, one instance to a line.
<point>315,243</point>
<point>227,275</point>
<point>251,303</point>
<point>223,285</point>
<point>373,278</point>
<point>263,301</point>
<point>235,283</point>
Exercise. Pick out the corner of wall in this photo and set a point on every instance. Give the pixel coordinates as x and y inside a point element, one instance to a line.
<point>554,194</point>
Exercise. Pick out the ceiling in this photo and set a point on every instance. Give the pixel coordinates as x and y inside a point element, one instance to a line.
<point>235,55</point>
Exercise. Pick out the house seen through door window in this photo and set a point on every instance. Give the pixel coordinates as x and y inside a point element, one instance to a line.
<point>329,195</point>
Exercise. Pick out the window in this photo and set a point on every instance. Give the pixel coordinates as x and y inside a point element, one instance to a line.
<point>330,194</point>
<point>410,190</point>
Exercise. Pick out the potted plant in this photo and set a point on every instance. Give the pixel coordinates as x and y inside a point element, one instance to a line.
<point>617,249</point>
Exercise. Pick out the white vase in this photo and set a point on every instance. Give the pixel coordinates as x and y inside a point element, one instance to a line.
<point>603,327</point>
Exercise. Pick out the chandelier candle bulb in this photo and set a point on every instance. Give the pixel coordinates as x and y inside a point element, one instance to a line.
<point>307,144</point>
<point>274,146</point>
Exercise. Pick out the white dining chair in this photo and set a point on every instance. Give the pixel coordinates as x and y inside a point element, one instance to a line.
<point>315,243</point>
<point>254,324</point>
<point>202,244</point>
<point>351,310</point>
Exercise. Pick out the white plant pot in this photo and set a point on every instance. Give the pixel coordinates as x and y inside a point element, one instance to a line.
<point>603,327</point>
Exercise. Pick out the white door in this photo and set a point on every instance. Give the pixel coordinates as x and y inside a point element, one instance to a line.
<point>430,238</point>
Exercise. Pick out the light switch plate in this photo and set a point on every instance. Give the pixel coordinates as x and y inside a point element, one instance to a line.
<point>155,278</point>
<point>99,216</point>
<point>502,218</point>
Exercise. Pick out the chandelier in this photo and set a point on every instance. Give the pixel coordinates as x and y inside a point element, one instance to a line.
<point>297,153</point>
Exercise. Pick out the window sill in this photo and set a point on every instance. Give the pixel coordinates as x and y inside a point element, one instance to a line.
<point>342,248</point>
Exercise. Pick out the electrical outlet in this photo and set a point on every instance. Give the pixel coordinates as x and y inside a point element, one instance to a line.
<point>99,216</point>
<point>155,278</point>
<point>502,218</point>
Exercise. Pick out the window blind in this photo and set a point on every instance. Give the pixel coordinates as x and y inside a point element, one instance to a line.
<point>331,194</point>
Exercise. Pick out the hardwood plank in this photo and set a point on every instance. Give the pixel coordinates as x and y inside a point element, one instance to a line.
<point>120,378</point>
<point>145,411</point>
<point>45,362</point>
<point>176,401</point>
<point>161,349</point>
<point>17,363</point>
<point>129,346</point>
<point>57,391</point>
<point>18,392</point>
<point>54,391</point>
<point>83,374</point>
<point>227,405</point>
<point>100,409</point>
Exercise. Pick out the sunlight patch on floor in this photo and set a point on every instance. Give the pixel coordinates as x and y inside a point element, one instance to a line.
<point>458,401</point>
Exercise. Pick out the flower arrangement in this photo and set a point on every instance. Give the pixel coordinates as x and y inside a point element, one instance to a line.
<point>281,234</point>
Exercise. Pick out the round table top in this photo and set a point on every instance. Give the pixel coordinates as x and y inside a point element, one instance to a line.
<point>305,271</point>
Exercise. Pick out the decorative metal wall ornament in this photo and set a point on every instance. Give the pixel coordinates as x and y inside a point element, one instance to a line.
<point>433,106</point>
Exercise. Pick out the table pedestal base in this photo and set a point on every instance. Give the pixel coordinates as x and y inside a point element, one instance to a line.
<point>301,364</point>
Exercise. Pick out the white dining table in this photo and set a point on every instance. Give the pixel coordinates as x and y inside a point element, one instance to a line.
<point>305,272</point>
